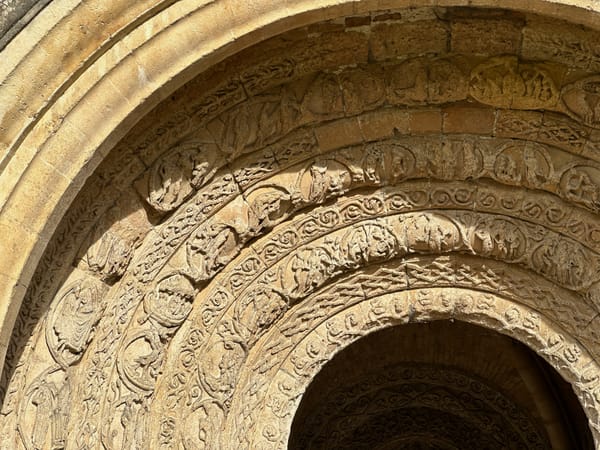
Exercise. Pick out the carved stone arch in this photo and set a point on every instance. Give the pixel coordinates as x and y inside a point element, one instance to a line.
<point>274,408</point>
<point>108,65</point>
<point>343,146</point>
<point>265,333</point>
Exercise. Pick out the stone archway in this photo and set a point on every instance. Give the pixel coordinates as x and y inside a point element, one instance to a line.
<point>267,413</point>
<point>305,179</point>
<point>437,384</point>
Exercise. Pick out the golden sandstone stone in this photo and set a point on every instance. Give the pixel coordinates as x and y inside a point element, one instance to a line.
<point>298,225</point>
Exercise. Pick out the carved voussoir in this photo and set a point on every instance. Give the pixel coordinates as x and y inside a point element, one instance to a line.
<point>179,173</point>
<point>582,101</point>
<point>73,318</point>
<point>506,83</point>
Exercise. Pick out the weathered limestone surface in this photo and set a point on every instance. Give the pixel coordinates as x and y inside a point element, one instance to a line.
<point>190,258</point>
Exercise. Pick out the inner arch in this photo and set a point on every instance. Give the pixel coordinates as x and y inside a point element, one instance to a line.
<point>438,385</point>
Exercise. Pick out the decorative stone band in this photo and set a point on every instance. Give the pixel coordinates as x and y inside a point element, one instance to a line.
<point>203,383</point>
<point>243,292</point>
<point>267,400</point>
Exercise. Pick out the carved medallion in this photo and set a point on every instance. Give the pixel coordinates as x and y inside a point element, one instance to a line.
<point>71,322</point>
<point>580,184</point>
<point>523,165</point>
<point>185,168</point>
<point>139,361</point>
<point>171,301</point>
<point>582,101</point>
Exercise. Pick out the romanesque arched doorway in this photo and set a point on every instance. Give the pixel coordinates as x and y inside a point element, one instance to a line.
<point>331,181</point>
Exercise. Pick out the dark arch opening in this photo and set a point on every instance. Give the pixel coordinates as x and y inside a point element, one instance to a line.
<point>439,385</point>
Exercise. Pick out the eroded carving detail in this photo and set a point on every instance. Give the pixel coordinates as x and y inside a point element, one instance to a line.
<point>507,83</point>
<point>185,168</point>
<point>582,101</point>
<point>71,323</point>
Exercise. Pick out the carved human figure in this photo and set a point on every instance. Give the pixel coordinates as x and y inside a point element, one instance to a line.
<point>577,185</point>
<point>562,261</point>
<point>369,242</point>
<point>500,239</point>
<point>210,249</point>
<point>72,335</point>
<point>259,310</point>
<point>507,168</point>
<point>535,173</point>
<point>452,160</point>
<point>327,179</point>
<point>402,163</point>
<point>60,415</point>
<point>45,411</point>
<point>43,399</point>
<point>431,233</point>
<point>516,165</point>
<point>71,323</point>
<point>186,167</point>
<point>268,207</point>
<point>310,268</point>
<point>373,165</point>
<point>171,300</point>
<point>229,353</point>
<point>365,165</point>
<point>130,421</point>
<point>255,122</point>
<point>505,82</point>
<point>443,164</point>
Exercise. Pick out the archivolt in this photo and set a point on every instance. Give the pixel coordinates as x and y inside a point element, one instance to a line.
<point>210,235</point>
<point>275,377</point>
<point>72,124</point>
